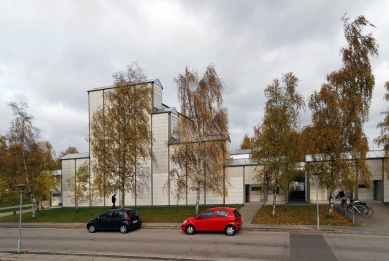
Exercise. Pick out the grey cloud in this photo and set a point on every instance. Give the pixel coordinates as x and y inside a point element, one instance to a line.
<point>53,54</point>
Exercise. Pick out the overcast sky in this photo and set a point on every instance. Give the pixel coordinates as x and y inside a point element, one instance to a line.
<point>53,52</point>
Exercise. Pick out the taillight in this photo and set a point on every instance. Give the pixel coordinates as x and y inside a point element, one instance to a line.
<point>128,218</point>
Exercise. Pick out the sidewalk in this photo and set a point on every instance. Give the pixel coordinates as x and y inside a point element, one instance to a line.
<point>16,212</point>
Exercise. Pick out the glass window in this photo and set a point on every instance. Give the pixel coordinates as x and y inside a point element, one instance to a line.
<point>221,213</point>
<point>207,214</point>
<point>132,213</point>
<point>107,215</point>
<point>118,214</point>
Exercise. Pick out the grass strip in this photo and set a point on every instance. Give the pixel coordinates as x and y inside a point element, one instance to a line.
<point>301,215</point>
<point>148,214</point>
<point>13,202</point>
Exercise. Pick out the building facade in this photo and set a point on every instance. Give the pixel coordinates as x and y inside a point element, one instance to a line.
<point>240,170</point>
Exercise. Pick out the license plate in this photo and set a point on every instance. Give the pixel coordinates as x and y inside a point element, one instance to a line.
<point>135,221</point>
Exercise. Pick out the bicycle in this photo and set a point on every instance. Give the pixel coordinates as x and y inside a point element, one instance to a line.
<point>367,212</point>
<point>359,207</point>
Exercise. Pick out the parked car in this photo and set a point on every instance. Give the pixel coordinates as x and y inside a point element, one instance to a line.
<point>220,219</point>
<point>117,219</point>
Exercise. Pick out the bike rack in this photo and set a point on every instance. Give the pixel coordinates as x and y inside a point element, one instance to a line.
<point>344,212</point>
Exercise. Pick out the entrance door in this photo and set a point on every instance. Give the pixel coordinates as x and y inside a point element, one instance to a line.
<point>247,189</point>
<point>298,192</point>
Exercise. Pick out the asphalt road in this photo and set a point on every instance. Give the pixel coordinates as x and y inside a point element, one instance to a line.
<point>173,244</point>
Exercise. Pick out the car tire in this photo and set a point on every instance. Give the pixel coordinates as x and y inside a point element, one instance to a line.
<point>190,230</point>
<point>123,229</point>
<point>230,230</point>
<point>92,229</point>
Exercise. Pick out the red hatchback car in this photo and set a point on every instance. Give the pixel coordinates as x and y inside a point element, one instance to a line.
<point>214,219</point>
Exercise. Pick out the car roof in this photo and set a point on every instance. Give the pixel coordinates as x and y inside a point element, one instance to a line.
<point>221,208</point>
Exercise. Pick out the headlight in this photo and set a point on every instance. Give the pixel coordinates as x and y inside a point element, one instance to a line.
<point>184,222</point>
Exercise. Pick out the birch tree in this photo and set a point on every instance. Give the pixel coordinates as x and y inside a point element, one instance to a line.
<point>246,143</point>
<point>69,150</point>
<point>339,110</point>
<point>200,151</point>
<point>79,184</point>
<point>383,138</point>
<point>275,137</point>
<point>31,158</point>
<point>121,136</point>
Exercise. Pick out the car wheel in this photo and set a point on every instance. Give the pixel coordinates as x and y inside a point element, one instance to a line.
<point>190,230</point>
<point>123,229</point>
<point>92,229</point>
<point>230,230</point>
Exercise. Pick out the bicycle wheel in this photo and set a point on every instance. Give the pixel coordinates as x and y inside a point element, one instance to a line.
<point>368,213</point>
<point>349,211</point>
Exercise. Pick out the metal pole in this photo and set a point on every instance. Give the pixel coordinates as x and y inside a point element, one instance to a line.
<point>20,223</point>
<point>317,206</point>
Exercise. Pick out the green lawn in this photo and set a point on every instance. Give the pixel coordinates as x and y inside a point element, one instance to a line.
<point>295,215</point>
<point>13,202</point>
<point>148,214</point>
<point>301,215</point>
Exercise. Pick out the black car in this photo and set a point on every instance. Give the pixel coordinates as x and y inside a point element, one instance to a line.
<point>117,219</point>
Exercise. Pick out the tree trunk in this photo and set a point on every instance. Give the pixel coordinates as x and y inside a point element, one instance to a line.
<point>197,198</point>
<point>331,206</point>
<point>33,205</point>
<point>274,202</point>
<point>122,198</point>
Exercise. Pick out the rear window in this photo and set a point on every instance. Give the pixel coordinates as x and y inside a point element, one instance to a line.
<point>132,213</point>
<point>237,214</point>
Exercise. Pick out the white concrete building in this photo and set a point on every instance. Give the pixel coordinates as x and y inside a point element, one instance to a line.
<point>378,191</point>
<point>241,170</point>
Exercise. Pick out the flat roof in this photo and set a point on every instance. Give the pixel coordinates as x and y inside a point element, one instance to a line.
<point>156,81</point>
<point>76,156</point>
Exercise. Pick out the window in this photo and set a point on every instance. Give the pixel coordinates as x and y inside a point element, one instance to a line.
<point>118,214</point>
<point>255,188</point>
<point>221,213</point>
<point>107,215</point>
<point>207,214</point>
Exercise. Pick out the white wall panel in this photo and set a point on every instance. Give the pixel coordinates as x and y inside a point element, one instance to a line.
<point>236,192</point>
<point>160,134</point>
<point>365,194</point>
<point>160,196</point>
<point>157,96</point>
<point>386,188</point>
<point>250,172</point>
<point>213,199</point>
<point>322,193</point>
<point>375,167</point>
